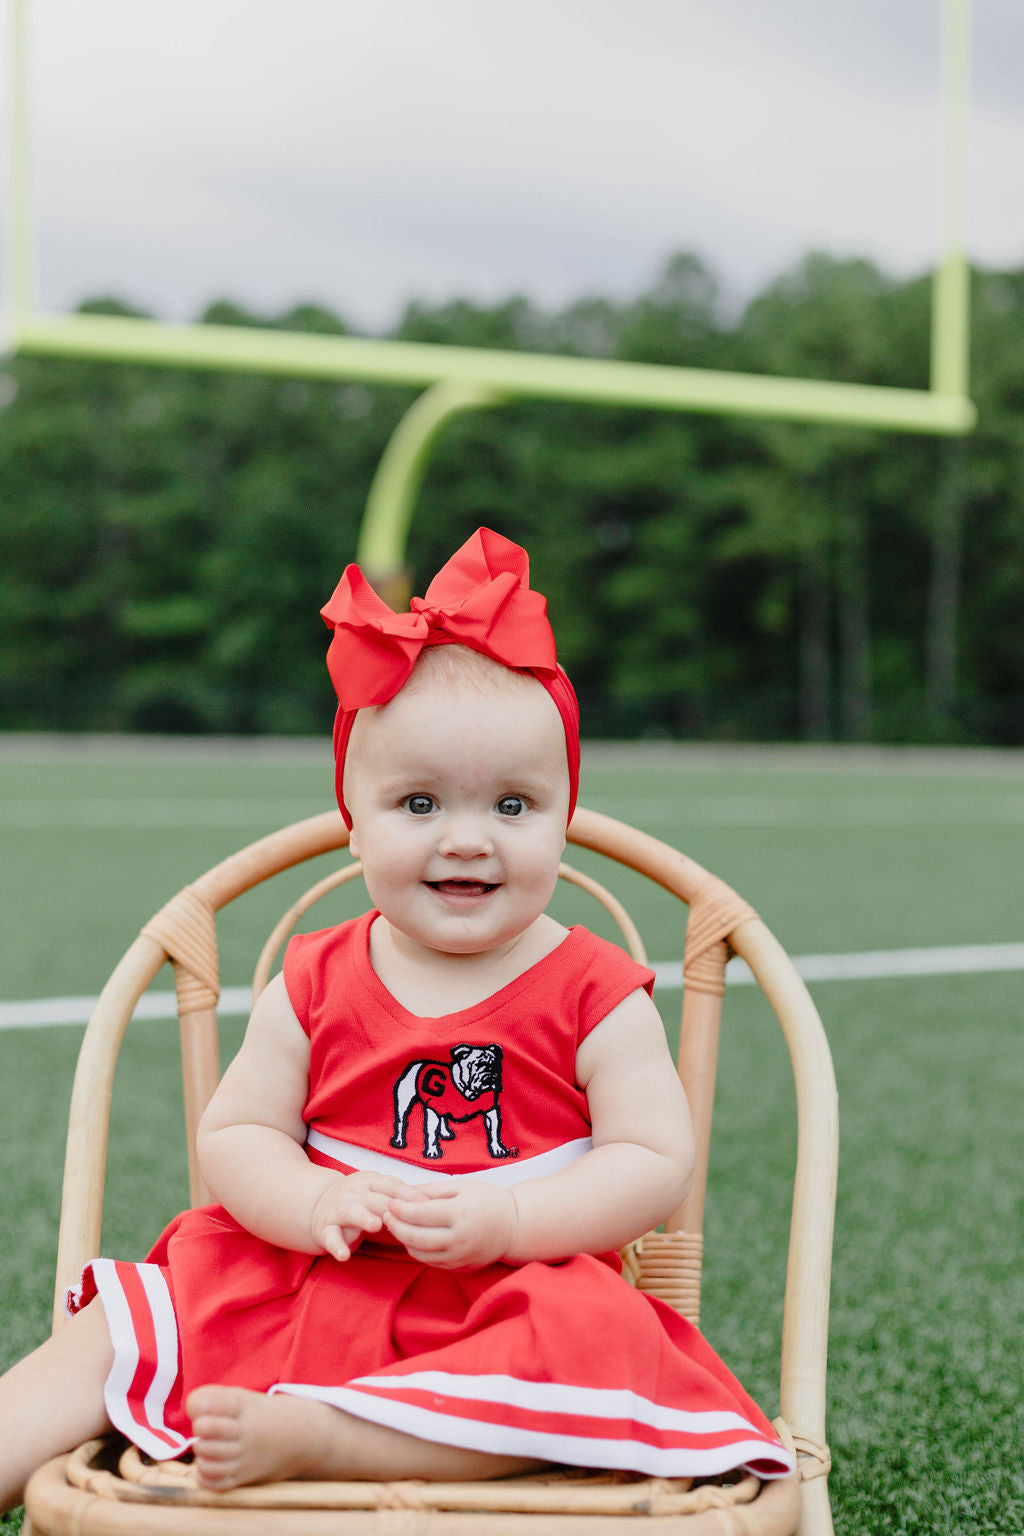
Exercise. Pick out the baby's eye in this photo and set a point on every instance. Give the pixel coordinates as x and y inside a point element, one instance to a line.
<point>511,805</point>
<point>420,805</point>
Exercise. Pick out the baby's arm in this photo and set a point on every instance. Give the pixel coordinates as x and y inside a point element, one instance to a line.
<point>638,1172</point>
<point>251,1140</point>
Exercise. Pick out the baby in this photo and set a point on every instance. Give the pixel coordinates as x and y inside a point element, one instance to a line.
<point>445,1118</point>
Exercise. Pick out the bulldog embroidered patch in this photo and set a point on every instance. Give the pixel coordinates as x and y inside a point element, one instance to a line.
<point>457,1090</point>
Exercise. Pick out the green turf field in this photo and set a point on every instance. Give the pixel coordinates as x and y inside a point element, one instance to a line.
<point>839,852</point>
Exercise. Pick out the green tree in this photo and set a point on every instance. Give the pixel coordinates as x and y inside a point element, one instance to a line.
<point>168,536</point>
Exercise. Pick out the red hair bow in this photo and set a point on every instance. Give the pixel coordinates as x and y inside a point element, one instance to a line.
<point>481,599</point>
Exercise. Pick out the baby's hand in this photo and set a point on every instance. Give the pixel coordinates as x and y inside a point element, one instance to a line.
<point>460,1224</point>
<point>354,1204</point>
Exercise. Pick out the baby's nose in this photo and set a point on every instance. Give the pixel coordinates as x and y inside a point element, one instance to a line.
<point>466,837</point>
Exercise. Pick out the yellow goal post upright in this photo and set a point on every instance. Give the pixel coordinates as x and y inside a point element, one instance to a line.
<point>455,379</point>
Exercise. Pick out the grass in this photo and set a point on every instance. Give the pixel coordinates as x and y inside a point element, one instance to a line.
<point>928,1299</point>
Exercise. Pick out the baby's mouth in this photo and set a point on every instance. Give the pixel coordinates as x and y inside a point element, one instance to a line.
<point>462,887</point>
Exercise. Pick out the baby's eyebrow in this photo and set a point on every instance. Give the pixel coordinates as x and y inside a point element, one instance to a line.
<point>517,783</point>
<point>409,779</point>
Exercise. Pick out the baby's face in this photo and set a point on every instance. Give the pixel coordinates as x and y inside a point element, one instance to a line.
<point>459,801</point>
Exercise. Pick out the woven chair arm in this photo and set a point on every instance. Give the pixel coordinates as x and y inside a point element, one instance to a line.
<point>186,928</point>
<point>814,1459</point>
<point>668,1265</point>
<point>715,912</point>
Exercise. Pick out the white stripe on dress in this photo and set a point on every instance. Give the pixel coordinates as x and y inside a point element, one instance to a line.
<point>562,1397</point>
<point>515,1171</point>
<point>126,1358</point>
<point>166,1326</point>
<point>546,1445</point>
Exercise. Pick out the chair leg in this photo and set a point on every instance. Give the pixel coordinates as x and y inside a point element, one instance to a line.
<point>816,1511</point>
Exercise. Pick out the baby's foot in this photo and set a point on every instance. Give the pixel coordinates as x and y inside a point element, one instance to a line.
<point>248,1437</point>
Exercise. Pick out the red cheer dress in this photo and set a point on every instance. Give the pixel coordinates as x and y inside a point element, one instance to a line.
<point>564,1362</point>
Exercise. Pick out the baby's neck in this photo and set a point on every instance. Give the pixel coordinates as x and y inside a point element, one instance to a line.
<point>431,983</point>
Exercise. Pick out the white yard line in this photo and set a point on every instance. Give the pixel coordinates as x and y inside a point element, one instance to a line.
<point>21,747</point>
<point>868,965</point>
<point>692,810</point>
<point>78,1010</point>
<point>874,964</point>
<point>144,815</point>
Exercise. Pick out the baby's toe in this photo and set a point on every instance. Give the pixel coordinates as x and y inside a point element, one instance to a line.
<point>219,1407</point>
<point>217,1476</point>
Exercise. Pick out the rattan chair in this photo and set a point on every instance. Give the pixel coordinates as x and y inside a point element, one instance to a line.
<point>105,1487</point>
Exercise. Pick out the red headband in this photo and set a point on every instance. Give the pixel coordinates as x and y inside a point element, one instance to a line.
<point>480,599</point>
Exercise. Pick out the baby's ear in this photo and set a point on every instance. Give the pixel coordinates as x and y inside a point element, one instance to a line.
<point>353,846</point>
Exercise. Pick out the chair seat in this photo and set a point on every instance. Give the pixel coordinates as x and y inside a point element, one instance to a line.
<point>107,1488</point>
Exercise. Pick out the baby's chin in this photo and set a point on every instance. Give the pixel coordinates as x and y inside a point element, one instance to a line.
<point>449,941</point>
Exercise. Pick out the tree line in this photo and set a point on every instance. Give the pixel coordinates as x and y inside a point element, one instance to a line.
<point>168,537</point>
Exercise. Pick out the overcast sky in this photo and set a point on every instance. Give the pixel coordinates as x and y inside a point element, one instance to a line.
<point>359,155</point>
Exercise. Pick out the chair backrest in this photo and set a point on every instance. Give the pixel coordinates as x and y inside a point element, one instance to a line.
<point>667,1263</point>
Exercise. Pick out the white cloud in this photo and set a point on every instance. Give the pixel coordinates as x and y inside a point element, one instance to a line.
<point>357,155</point>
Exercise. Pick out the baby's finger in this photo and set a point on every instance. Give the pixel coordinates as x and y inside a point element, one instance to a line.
<point>335,1244</point>
<point>369,1202</point>
<point>421,1242</point>
<point>420,1213</point>
<point>365,1217</point>
<point>386,1184</point>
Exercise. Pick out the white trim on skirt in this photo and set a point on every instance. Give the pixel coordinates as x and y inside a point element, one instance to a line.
<point>515,1171</point>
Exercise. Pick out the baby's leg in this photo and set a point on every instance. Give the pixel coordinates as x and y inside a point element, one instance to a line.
<point>247,1437</point>
<point>53,1400</point>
